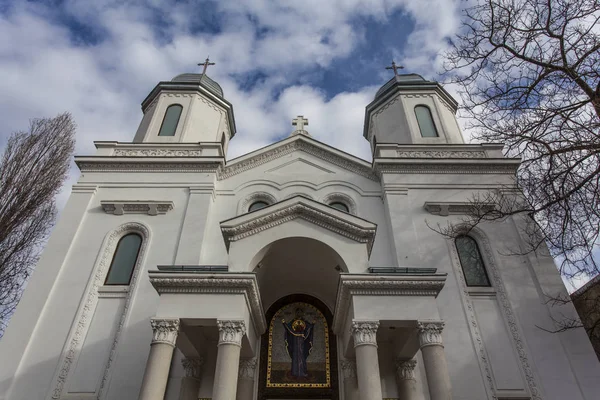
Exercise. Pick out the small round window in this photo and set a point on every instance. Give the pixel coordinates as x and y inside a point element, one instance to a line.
<point>257,205</point>
<point>339,206</point>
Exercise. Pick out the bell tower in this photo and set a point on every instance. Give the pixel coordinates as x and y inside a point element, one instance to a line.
<point>190,108</point>
<point>411,110</point>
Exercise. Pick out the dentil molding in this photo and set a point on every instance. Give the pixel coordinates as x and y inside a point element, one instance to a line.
<point>440,154</point>
<point>164,330</point>
<point>365,333</point>
<point>231,331</point>
<point>157,152</point>
<point>430,333</point>
<point>406,369</point>
<point>247,368</point>
<point>193,367</point>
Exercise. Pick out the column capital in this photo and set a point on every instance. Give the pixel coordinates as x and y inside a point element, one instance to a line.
<point>164,330</point>
<point>430,333</point>
<point>247,368</point>
<point>193,366</point>
<point>406,369</point>
<point>348,369</point>
<point>365,332</point>
<point>231,331</point>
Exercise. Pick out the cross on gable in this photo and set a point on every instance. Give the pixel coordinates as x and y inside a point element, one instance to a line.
<point>299,122</point>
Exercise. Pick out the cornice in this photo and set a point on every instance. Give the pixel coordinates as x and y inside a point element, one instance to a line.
<point>222,283</point>
<point>156,164</point>
<point>344,224</point>
<point>300,143</point>
<point>445,166</point>
<point>382,285</point>
<point>445,208</point>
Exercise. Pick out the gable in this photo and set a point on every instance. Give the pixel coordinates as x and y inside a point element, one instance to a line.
<point>299,166</point>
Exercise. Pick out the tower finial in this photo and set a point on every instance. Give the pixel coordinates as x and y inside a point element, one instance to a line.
<point>206,63</point>
<point>395,67</point>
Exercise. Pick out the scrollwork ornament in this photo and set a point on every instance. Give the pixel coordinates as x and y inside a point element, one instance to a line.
<point>231,332</point>
<point>193,366</point>
<point>430,333</point>
<point>406,369</point>
<point>365,332</point>
<point>164,330</point>
<point>247,368</point>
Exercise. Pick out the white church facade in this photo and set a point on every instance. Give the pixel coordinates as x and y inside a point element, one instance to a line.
<point>296,271</point>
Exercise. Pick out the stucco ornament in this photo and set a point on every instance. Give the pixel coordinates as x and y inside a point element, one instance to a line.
<point>348,369</point>
<point>406,369</point>
<point>365,332</point>
<point>231,332</point>
<point>164,330</point>
<point>247,368</point>
<point>193,366</point>
<point>430,333</point>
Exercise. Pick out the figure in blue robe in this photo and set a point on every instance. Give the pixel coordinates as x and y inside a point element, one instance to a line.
<point>298,343</point>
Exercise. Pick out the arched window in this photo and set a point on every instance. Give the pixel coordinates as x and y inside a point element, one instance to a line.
<point>257,205</point>
<point>425,121</point>
<point>170,121</point>
<point>338,205</point>
<point>471,261</point>
<point>123,262</point>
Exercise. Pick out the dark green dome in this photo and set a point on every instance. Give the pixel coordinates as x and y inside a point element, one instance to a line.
<point>401,80</point>
<point>203,79</point>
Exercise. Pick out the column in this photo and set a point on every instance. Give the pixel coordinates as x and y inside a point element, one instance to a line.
<point>190,384</point>
<point>350,384</point>
<point>367,361</point>
<point>159,361</point>
<point>228,359</point>
<point>405,375</point>
<point>245,389</point>
<point>434,360</point>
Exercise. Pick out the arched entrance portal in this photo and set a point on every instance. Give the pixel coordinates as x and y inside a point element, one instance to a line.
<point>297,279</point>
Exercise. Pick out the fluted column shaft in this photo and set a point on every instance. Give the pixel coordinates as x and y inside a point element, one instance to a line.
<point>367,360</point>
<point>228,359</point>
<point>405,377</point>
<point>245,389</point>
<point>350,383</point>
<point>190,384</point>
<point>434,360</point>
<point>159,360</point>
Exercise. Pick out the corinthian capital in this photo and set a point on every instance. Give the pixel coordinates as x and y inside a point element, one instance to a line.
<point>165,330</point>
<point>365,332</point>
<point>430,333</point>
<point>406,369</point>
<point>231,332</point>
<point>193,366</point>
<point>247,368</point>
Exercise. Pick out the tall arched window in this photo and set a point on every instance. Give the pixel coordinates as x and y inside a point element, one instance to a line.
<point>170,121</point>
<point>471,262</point>
<point>425,121</point>
<point>124,260</point>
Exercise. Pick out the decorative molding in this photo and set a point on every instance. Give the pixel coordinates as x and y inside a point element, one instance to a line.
<point>365,333</point>
<point>342,198</point>
<point>297,145</point>
<point>164,330</point>
<point>446,208</point>
<point>231,331</point>
<point>88,306</point>
<point>406,369</point>
<point>348,369</point>
<point>150,207</point>
<point>382,285</point>
<point>214,283</point>
<point>156,152</point>
<point>361,234</point>
<point>193,367</point>
<point>247,368</point>
<point>160,166</point>
<point>446,168</point>
<point>430,333</point>
<point>256,196</point>
<point>440,154</point>
<point>505,306</point>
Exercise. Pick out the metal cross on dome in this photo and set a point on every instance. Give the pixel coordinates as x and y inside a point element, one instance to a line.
<point>299,122</point>
<point>395,67</point>
<point>206,63</point>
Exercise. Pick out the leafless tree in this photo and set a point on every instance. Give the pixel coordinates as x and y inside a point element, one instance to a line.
<point>529,77</point>
<point>32,170</point>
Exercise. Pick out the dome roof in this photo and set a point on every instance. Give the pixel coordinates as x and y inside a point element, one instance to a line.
<point>202,79</point>
<point>401,80</point>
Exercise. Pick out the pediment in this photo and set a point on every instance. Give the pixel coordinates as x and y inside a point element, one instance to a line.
<point>299,166</point>
<point>302,144</point>
<point>317,213</point>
